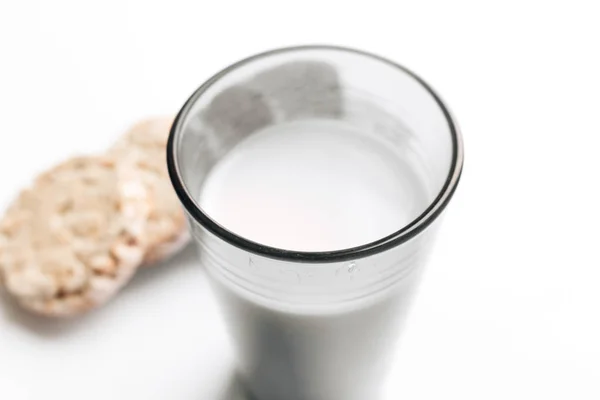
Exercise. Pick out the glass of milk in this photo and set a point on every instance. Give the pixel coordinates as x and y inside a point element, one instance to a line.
<point>314,178</point>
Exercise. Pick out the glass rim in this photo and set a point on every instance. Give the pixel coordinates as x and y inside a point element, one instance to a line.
<point>407,232</point>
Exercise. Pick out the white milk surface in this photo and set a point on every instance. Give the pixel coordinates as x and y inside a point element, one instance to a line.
<point>313,186</point>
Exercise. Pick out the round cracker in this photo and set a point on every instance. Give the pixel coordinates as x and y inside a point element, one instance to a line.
<point>145,145</point>
<point>73,239</point>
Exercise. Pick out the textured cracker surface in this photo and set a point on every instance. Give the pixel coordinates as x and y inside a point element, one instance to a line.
<point>144,146</point>
<point>73,239</point>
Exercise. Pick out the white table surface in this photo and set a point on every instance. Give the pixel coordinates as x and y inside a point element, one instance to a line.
<point>509,307</point>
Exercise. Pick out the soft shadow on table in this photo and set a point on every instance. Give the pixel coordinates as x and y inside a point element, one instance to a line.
<point>52,327</point>
<point>234,390</point>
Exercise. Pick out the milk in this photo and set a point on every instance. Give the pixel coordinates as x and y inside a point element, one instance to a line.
<point>313,185</point>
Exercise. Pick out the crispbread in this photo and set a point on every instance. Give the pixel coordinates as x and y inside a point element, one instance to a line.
<point>73,239</point>
<point>144,146</point>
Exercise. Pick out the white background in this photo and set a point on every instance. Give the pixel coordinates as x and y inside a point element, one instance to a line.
<point>510,304</point>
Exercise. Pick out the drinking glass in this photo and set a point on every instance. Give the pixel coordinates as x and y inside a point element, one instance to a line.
<point>315,325</point>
